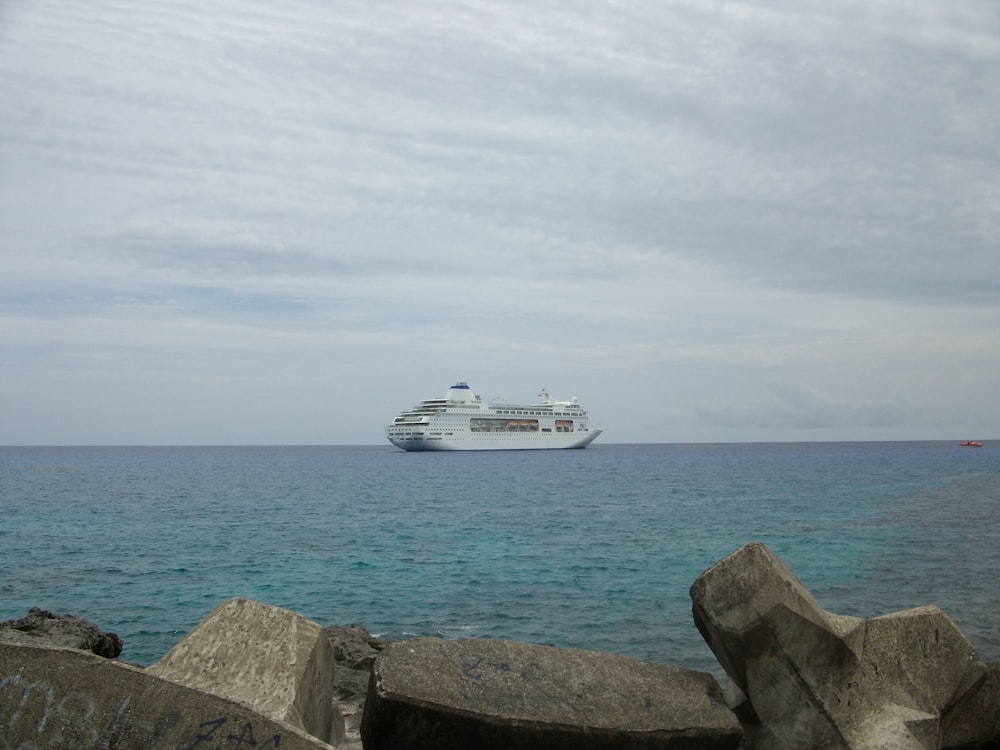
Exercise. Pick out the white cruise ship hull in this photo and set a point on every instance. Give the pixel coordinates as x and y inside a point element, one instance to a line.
<point>430,441</point>
<point>461,422</point>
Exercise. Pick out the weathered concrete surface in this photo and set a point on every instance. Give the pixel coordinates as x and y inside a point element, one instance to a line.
<point>274,660</point>
<point>432,694</point>
<point>66,698</point>
<point>42,628</point>
<point>975,725</point>
<point>819,680</point>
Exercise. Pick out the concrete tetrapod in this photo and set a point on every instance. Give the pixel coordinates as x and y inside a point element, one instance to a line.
<point>820,680</point>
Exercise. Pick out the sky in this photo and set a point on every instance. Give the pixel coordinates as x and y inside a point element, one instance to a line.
<point>282,223</point>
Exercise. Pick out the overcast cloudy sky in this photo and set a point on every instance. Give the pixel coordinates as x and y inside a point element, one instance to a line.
<point>248,222</point>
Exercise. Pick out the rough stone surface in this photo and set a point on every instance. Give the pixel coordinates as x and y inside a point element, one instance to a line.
<point>436,694</point>
<point>42,628</point>
<point>819,680</point>
<point>274,660</point>
<point>354,649</point>
<point>66,698</point>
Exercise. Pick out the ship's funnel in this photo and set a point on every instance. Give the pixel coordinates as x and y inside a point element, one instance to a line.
<point>461,393</point>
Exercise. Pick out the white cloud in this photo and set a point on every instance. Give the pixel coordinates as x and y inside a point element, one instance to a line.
<point>777,221</point>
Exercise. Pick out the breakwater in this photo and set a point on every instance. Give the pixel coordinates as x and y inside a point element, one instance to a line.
<point>799,677</point>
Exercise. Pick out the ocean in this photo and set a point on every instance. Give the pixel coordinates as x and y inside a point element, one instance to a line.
<point>592,548</point>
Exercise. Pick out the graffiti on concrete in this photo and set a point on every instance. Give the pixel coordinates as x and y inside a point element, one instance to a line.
<point>209,736</point>
<point>34,715</point>
<point>476,669</point>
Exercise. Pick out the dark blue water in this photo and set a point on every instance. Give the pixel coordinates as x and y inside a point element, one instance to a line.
<point>592,549</point>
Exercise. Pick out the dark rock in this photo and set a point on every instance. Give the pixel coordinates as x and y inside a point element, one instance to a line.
<point>353,646</point>
<point>354,650</point>
<point>42,628</point>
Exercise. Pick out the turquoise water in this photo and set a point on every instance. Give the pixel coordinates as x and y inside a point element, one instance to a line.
<point>592,549</point>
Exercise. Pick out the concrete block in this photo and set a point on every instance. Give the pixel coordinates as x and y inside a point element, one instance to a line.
<point>975,723</point>
<point>274,660</point>
<point>433,694</point>
<point>819,680</point>
<point>66,698</point>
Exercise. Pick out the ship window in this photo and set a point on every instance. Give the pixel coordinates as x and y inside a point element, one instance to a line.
<point>484,424</point>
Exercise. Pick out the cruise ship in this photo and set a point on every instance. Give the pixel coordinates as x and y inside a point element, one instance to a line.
<point>461,421</point>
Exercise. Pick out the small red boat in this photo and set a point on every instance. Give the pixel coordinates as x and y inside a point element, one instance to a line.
<point>971,444</point>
